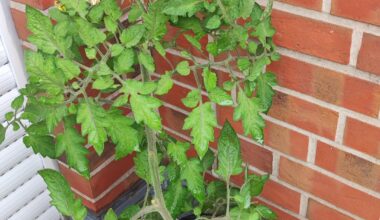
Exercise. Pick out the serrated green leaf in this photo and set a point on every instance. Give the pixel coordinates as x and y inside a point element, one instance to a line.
<point>103,83</point>
<point>112,9</point>
<point>155,21</point>
<point>145,110</point>
<point>110,215</point>
<point>257,183</point>
<point>192,99</point>
<point>160,49</point>
<point>248,110</point>
<point>103,70</point>
<point>164,85</point>
<point>132,35</point>
<point>110,24</point>
<point>17,102</point>
<point>78,6</point>
<point>229,155</point>
<point>228,85</point>
<point>265,92</point>
<point>90,53</point>
<point>183,68</point>
<point>90,35</point>
<point>252,47</point>
<point>257,68</point>
<point>209,79</point>
<point>265,212</point>
<point>183,7</point>
<point>246,8</point>
<point>121,101</point>
<point>213,23</point>
<point>142,167</point>
<point>208,160</point>
<point>125,61</point>
<point>96,13</point>
<point>2,133</point>
<point>134,13</point>
<point>175,198</point>
<point>147,61</point>
<point>177,151</point>
<point>243,64</point>
<point>193,41</point>
<point>201,121</point>
<point>40,140</point>
<point>220,97</point>
<point>116,49</point>
<point>71,142</point>
<point>193,174</point>
<point>263,30</point>
<point>62,196</point>
<point>122,133</point>
<point>69,68</point>
<point>92,119</point>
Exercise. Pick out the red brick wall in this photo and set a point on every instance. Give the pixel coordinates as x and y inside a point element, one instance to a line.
<point>322,143</point>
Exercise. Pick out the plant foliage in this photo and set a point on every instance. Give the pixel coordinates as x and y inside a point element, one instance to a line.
<point>92,66</point>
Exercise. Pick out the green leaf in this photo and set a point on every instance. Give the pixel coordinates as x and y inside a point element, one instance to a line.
<point>265,92</point>
<point>17,102</point>
<point>71,142</point>
<point>160,49</point>
<point>132,35</point>
<point>193,174</point>
<point>103,69</point>
<point>62,196</point>
<point>213,23</point>
<point>208,160</point>
<point>145,110</point>
<point>183,68</point>
<point>110,24</point>
<point>134,13</point>
<point>125,61</point>
<point>40,140</point>
<point>229,155</point>
<point>78,6</point>
<point>103,83</point>
<point>142,166</point>
<point>246,8</point>
<point>177,151</point>
<point>244,197</point>
<point>248,110</point>
<point>175,198</point>
<point>2,133</point>
<point>110,215</point>
<point>209,79</point>
<point>147,61</point>
<point>122,133</point>
<point>243,64</point>
<point>121,101</point>
<point>164,84</point>
<point>265,212</point>
<point>112,9</point>
<point>220,97</point>
<point>183,7</point>
<point>9,116</point>
<point>129,212</point>
<point>193,41</point>
<point>69,68</point>
<point>92,119</point>
<point>96,14</point>
<point>201,121</point>
<point>90,35</point>
<point>155,21</point>
<point>192,98</point>
<point>116,49</point>
<point>257,183</point>
<point>252,47</point>
<point>90,53</point>
<point>263,30</point>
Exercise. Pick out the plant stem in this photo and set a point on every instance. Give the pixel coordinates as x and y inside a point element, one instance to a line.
<point>144,211</point>
<point>228,199</point>
<point>159,201</point>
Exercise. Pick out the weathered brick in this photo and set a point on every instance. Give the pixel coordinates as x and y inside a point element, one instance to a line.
<point>363,10</point>
<point>309,4</point>
<point>362,137</point>
<point>19,19</point>
<point>305,115</point>
<point>348,166</point>
<point>317,211</point>
<point>329,189</point>
<point>312,37</point>
<point>328,85</point>
<point>40,4</point>
<point>369,54</point>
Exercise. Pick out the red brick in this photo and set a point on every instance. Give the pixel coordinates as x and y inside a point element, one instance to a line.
<point>19,19</point>
<point>328,85</point>
<point>275,136</point>
<point>317,211</point>
<point>256,156</point>
<point>363,10</point>
<point>282,196</point>
<point>305,115</point>
<point>280,214</point>
<point>309,4</point>
<point>362,137</point>
<point>40,4</point>
<point>329,189</point>
<point>348,166</point>
<point>312,37</point>
<point>369,54</point>
<point>173,119</point>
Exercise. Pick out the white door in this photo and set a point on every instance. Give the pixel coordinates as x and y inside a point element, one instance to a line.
<point>23,194</point>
